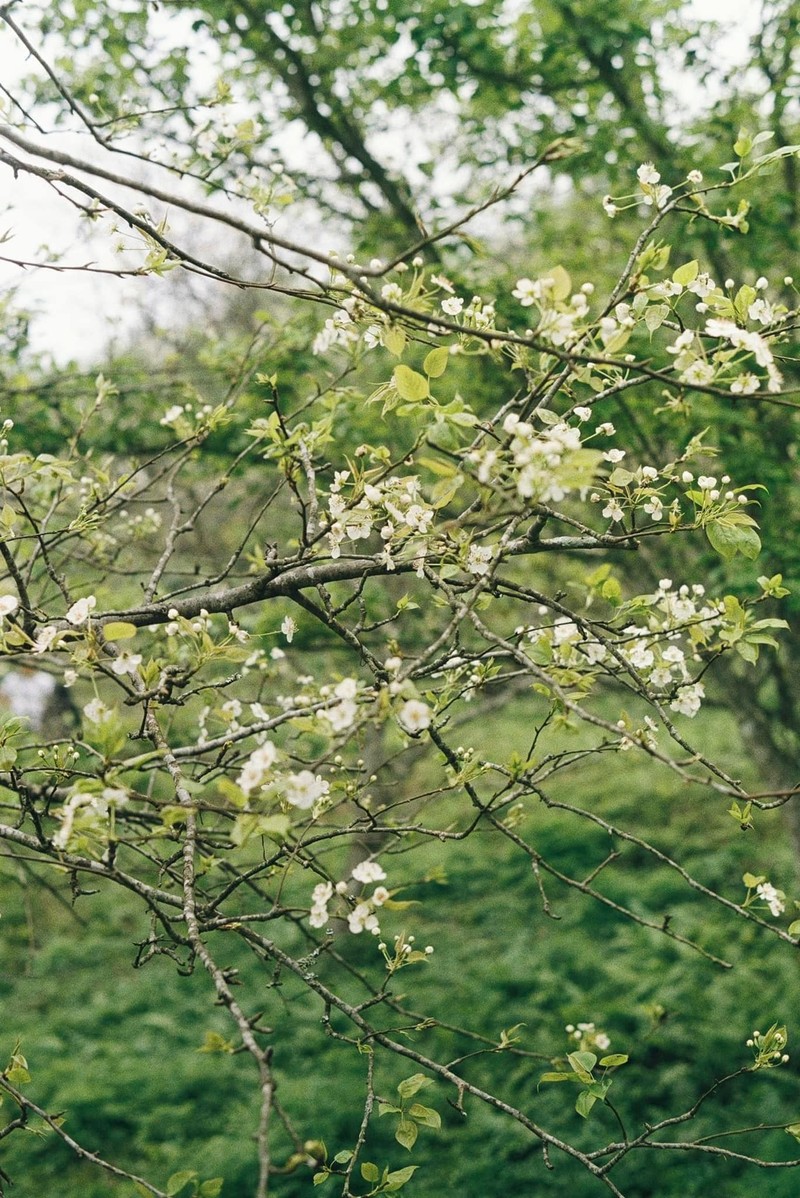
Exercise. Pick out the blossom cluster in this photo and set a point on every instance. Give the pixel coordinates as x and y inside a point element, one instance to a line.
<point>588,1037</point>
<point>395,508</point>
<point>546,464</point>
<point>680,621</point>
<point>360,911</point>
<point>301,789</point>
<point>562,317</point>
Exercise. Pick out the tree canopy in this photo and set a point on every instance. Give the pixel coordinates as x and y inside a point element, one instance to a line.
<point>418,602</point>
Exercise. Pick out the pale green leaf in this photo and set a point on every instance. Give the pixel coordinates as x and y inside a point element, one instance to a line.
<point>119,630</point>
<point>436,361</point>
<point>406,1134</point>
<point>397,1179</point>
<point>395,340</point>
<point>411,1085</point>
<point>410,385</point>
<point>687,273</point>
<point>730,539</point>
<point>424,1114</point>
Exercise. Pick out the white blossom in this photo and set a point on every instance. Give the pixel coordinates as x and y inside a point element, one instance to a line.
<point>79,612</point>
<point>303,789</point>
<point>126,663</point>
<point>772,897</point>
<point>368,871</point>
<point>97,712</point>
<point>256,768</point>
<point>414,716</point>
<point>648,174</point>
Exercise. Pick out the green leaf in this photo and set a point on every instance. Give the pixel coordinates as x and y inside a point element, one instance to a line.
<point>557,1077</point>
<point>119,630</point>
<point>794,928</point>
<point>562,283</point>
<point>395,340</point>
<point>214,1042</point>
<point>17,1073</point>
<point>386,1108</point>
<point>655,316</point>
<point>615,1059</point>
<point>410,385</point>
<point>729,539</point>
<point>412,1084</point>
<point>426,1116</point>
<point>753,880</point>
<point>436,361</point>
<point>687,273</point>
<point>547,416</point>
<point>618,341</point>
<point>343,1157</point>
<point>370,1172</point>
<point>396,1180</point>
<point>794,1130</point>
<point>747,651</point>
<point>406,1134</point>
<point>582,1062</point>
<point>211,1188</point>
<point>585,1103</point>
<point>178,1180</point>
<point>319,1178</point>
<point>743,144</point>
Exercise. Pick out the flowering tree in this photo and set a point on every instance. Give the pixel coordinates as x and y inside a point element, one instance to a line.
<point>286,604</point>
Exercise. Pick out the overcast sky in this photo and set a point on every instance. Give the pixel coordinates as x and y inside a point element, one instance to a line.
<point>79,314</point>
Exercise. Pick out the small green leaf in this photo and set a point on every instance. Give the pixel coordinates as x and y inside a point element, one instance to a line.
<point>178,1180</point>
<point>585,1103</point>
<point>406,1134</point>
<point>615,1059</point>
<point>411,1085</point>
<point>655,316</point>
<point>582,1062</point>
<point>687,273</point>
<point>730,539</point>
<point>751,880</point>
<point>319,1178</point>
<point>794,928</point>
<point>436,361</point>
<point>747,651</point>
<point>119,630</point>
<point>410,385</point>
<point>556,1077</point>
<point>386,1108</point>
<point>211,1188</point>
<point>396,1180</point>
<point>395,340</point>
<point>794,1130</point>
<point>343,1157</point>
<point>562,283</point>
<point>743,144</point>
<point>547,416</point>
<point>370,1172</point>
<point>426,1116</point>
